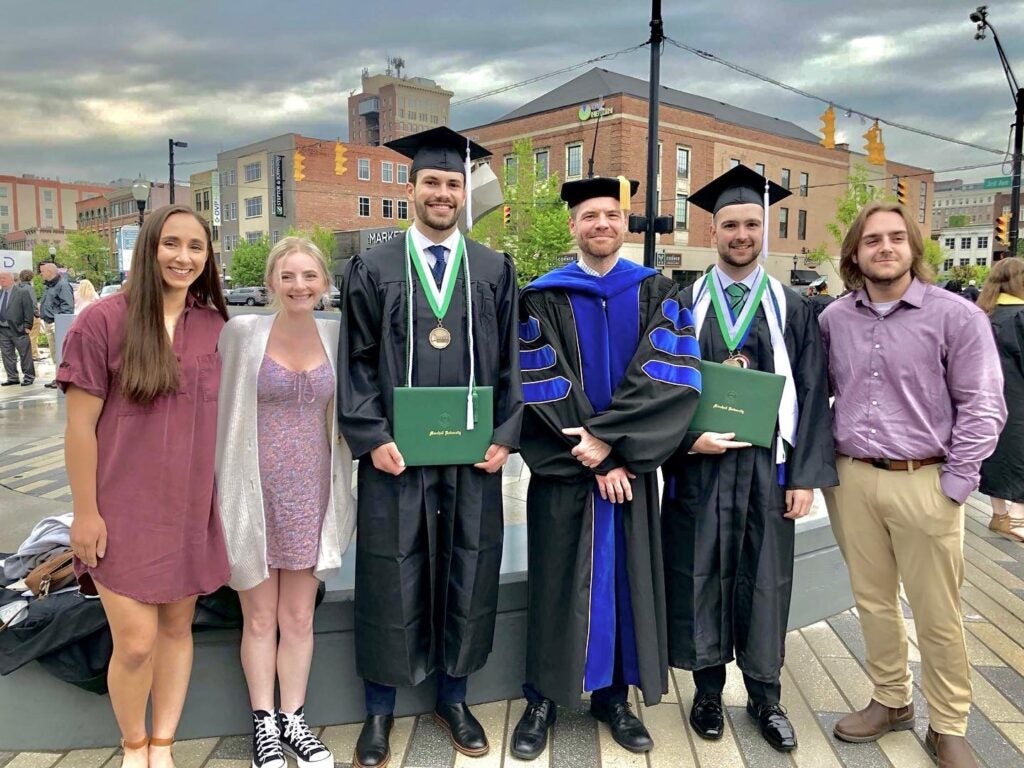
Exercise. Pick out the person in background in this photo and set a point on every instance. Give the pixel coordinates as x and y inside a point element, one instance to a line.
<point>971,292</point>
<point>1002,473</point>
<point>26,277</point>
<point>17,311</point>
<point>286,533</point>
<point>58,299</point>
<point>818,297</point>
<point>141,374</point>
<point>85,295</point>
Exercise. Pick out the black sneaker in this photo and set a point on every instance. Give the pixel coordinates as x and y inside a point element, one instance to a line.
<point>266,741</point>
<point>300,742</point>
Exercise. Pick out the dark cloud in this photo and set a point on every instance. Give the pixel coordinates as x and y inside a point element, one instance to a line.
<point>93,90</point>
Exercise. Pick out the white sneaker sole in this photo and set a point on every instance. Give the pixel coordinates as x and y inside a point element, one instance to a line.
<point>279,763</point>
<point>326,760</point>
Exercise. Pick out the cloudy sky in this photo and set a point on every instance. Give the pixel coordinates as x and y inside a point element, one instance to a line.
<point>93,90</point>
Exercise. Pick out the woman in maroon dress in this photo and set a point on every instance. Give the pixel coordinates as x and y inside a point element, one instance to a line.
<point>141,374</point>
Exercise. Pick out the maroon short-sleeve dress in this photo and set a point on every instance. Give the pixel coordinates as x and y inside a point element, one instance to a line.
<point>154,473</point>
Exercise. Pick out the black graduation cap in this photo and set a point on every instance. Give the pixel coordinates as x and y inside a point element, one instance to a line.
<point>737,186</point>
<point>441,149</point>
<point>575,192</point>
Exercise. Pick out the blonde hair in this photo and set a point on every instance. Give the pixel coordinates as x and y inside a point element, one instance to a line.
<point>289,245</point>
<point>849,270</point>
<point>1007,276</point>
<point>87,291</point>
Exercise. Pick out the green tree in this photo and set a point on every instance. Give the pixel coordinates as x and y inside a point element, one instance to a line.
<point>249,262</point>
<point>322,237</point>
<point>933,255</point>
<point>959,220</point>
<point>87,255</point>
<point>538,233</point>
<point>859,192</point>
<point>967,273</point>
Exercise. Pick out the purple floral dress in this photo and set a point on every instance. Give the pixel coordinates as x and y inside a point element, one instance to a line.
<point>295,460</point>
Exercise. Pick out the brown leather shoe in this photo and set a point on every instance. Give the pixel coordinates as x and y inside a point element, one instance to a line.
<point>950,751</point>
<point>1006,527</point>
<point>873,722</point>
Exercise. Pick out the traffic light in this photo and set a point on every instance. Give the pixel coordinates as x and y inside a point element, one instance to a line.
<point>901,191</point>
<point>828,128</point>
<point>506,213</point>
<point>339,159</point>
<point>299,170</point>
<point>1003,229</point>
<point>875,148</point>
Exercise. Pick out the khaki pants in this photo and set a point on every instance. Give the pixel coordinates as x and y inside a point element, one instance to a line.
<point>893,525</point>
<point>49,330</point>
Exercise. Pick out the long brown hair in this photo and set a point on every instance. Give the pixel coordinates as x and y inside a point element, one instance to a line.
<point>1007,276</point>
<point>148,365</point>
<point>849,270</point>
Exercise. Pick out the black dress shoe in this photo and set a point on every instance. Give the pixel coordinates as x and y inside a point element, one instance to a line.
<point>531,734</point>
<point>627,730</point>
<point>707,717</point>
<point>372,748</point>
<point>28,382</point>
<point>10,383</point>
<point>775,726</point>
<point>464,730</point>
<point>51,385</point>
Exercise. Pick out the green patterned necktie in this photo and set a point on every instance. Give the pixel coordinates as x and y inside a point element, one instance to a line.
<point>737,297</point>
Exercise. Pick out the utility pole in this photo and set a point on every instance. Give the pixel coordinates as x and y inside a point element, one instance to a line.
<point>171,144</point>
<point>653,102</point>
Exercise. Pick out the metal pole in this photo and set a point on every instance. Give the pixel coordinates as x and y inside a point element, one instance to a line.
<point>170,165</point>
<point>653,102</point>
<point>1018,144</point>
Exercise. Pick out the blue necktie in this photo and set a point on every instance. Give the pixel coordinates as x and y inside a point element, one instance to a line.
<point>3,304</point>
<point>437,270</point>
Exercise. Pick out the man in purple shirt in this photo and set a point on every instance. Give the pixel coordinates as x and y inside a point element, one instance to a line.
<point>918,406</point>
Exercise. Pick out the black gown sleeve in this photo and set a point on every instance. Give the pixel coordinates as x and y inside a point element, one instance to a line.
<point>652,407</point>
<point>508,394</point>
<point>812,461</point>
<point>361,412</point>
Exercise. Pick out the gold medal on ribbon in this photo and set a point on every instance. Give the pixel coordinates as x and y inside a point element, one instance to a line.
<point>439,337</point>
<point>737,360</point>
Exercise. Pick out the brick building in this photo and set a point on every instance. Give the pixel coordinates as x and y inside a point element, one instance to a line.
<point>390,107</point>
<point>260,196</point>
<point>699,138</point>
<point>30,203</point>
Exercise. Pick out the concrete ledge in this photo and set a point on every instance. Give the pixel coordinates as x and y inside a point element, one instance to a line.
<point>42,713</point>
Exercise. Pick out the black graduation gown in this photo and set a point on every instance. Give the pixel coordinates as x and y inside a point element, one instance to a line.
<point>644,423</point>
<point>728,548</point>
<point>1002,474</point>
<point>428,542</point>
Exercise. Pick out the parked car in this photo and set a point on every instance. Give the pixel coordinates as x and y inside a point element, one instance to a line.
<point>109,290</point>
<point>252,296</point>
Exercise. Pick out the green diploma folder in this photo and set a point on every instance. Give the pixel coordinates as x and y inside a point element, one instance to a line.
<point>430,425</point>
<point>738,400</point>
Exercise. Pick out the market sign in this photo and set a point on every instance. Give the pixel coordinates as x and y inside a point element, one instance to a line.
<point>594,110</point>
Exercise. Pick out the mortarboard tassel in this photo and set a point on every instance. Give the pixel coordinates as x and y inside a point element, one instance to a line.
<point>624,189</point>
<point>764,232</point>
<point>469,189</point>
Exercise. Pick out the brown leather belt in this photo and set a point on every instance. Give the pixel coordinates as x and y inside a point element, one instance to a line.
<point>901,465</point>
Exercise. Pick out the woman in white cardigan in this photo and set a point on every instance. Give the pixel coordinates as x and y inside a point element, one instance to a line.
<point>284,478</point>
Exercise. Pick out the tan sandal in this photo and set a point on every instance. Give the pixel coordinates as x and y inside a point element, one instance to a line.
<point>157,742</point>
<point>140,744</point>
<point>1007,527</point>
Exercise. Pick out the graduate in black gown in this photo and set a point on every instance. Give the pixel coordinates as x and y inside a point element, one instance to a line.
<point>610,381</point>
<point>729,509</point>
<point>429,539</point>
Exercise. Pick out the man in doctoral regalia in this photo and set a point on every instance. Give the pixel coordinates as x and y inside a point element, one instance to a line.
<point>729,508</point>
<point>610,380</point>
<point>429,538</point>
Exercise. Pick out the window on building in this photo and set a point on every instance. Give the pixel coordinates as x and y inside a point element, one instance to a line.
<point>4,210</point>
<point>387,171</point>
<point>682,162</point>
<point>965,262</point>
<point>511,169</point>
<point>681,213</point>
<point>951,243</point>
<point>574,161</point>
<point>403,173</point>
<point>216,232</point>
<point>5,228</point>
<point>759,167</point>
<point>922,201</point>
<point>801,225</point>
<point>403,210</point>
<point>364,206</point>
<point>275,236</point>
<point>983,241</point>
<point>785,178</point>
<point>805,181</point>
<point>387,208</point>
<point>3,191</point>
<point>231,211</point>
<point>965,243</point>
<point>254,171</point>
<point>48,214</point>
<point>229,178</point>
<point>364,169</point>
<point>253,237</point>
<point>206,199</point>
<point>199,203</point>
<point>947,265</point>
<point>540,162</point>
<point>253,207</point>
<point>47,195</point>
<point>981,261</point>
<point>783,222</point>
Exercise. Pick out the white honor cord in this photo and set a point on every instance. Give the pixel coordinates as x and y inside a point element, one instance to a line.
<point>469,191</point>
<point>409,332</point>
<point>764,230</point>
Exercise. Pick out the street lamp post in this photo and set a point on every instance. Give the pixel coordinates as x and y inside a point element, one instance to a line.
<point>53,254</point>
<point>171,144</point>
<point>140,191</point>
<point>980,17</point>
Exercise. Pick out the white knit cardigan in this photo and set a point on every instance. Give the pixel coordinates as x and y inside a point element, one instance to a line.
<point>243,343</point>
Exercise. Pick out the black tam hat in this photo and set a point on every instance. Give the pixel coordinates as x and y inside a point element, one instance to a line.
<point>576,192</point>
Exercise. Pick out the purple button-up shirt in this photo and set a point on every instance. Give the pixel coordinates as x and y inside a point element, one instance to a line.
<point>923,380</point>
